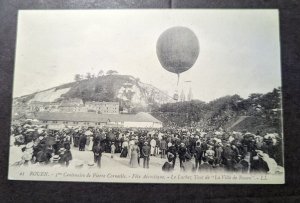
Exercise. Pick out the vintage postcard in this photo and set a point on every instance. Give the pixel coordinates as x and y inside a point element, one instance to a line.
<point>147,96</point>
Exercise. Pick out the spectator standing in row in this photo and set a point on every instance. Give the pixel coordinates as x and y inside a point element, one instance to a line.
<point>163,147</point>
<point>97,154</point>
<point>146,154</point>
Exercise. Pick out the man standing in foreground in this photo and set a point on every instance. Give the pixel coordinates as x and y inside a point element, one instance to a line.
<point>97,154</point>
<point>163,147</point>
<point>181,152</point>
<point>173,151</point>
<point>146,154</point>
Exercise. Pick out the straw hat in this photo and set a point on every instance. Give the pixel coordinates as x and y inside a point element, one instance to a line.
<point>56,157</point>
<point>62,149</point>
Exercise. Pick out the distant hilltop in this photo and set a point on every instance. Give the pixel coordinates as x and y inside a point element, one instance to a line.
<point>131,94</point>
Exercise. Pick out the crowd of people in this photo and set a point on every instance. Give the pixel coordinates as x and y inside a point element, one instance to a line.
<point>190,149</point>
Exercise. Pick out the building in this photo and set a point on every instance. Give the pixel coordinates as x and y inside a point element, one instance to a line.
<point>69,108</point>
<point>102,107</point>
<point>139,120</point>
<point>20,109</point>
<point>71,105</point>
<point>37,106</point>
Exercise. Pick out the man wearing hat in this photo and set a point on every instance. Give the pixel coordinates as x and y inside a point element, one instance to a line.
<point>82,142</point>
<point>97,154</point>
<point>219,151</point>
<point>188,166</point>
<point>65,156</point>
<point>172,149</point>
<point>198,154</point>
<point>146,154</point>
<point>228,156</point>
<point>168,165</point>
<point>163,147</point>
<point>181,153</point>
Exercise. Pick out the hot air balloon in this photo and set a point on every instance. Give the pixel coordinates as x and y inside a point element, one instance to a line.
<point>177,49</point>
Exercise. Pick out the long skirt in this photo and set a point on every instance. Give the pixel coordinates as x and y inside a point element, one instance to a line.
<point>90,147</point>
<point>152,150</point>
<point>134,160</point>
<point>124,152</point>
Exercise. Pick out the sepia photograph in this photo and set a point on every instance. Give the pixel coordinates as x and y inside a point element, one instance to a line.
<point>187,96</point>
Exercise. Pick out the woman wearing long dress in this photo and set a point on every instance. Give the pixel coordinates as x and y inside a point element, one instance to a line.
<point>135,150</point>
<point>124,151</point>
<point>131,144</point>
<point>90,148</point>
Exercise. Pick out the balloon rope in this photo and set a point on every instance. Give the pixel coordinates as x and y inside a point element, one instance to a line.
<point>177,79</point>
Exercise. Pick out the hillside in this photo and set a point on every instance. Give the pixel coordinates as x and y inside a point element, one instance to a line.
<point>257,113</point>
<point>129,91</point>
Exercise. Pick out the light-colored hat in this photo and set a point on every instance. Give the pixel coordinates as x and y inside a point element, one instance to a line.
<point>56,157</point>
<point>62,149</point>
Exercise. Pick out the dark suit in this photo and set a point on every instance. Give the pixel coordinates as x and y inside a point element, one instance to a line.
<point>173,151</point>
<point>97,155</point>
<point>198,156</point>
<point>146,154</point>
<point>181,153</point>
<point>82,143</point>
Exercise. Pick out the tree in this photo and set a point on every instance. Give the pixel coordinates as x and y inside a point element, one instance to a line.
<point>77,77</point>
<point>111,72</point>
<point>88,75</point>
<point>100,73</point>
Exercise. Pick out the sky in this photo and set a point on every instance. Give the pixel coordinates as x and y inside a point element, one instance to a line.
<point>239,49</point>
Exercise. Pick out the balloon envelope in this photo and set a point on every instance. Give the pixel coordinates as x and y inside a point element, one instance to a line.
<point>177,49</point>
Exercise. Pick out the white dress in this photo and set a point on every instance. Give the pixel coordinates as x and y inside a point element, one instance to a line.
<point>152,144</point>
<point>90,148</point>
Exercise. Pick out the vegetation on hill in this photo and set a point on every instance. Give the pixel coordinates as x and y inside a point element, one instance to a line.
<point>130,92</point>
<point>262,112</point>
<point>258,112</point>
<point>98,89</point>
